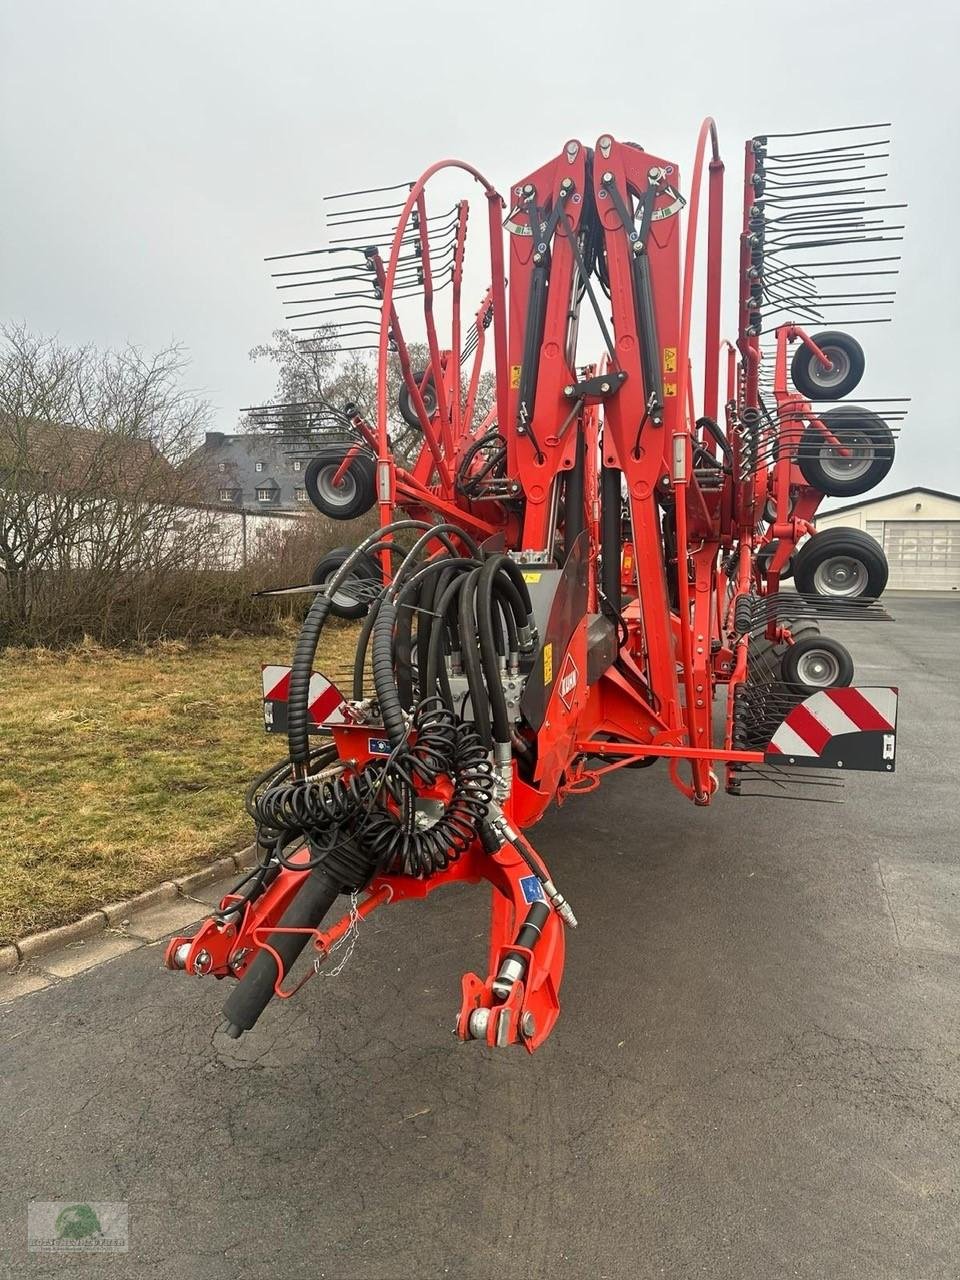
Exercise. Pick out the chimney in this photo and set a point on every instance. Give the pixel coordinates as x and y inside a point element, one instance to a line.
<point>214,438</point>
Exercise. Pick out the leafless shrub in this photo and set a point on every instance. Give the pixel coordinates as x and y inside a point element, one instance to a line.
<point>101,532</point>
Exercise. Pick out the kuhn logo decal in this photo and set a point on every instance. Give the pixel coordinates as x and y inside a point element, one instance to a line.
<point>568,682</point>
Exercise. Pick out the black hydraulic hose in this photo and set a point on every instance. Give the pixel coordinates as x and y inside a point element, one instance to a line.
<point>253,992</point>
<point>425,621</point>
<point>301,667</point>
<point>496,619</point>
<point>515,574</point>
<point>436,672</point>
<point>505,607</point>
<point>711,427</point>
<point>507,590</point>
<point>439,531</point>
<point>363,640</point>
<point>610,517</point>
<point>456,565</point>
<point>453,562</point>
<point>363,643</point>
<point>472,666</point>
<point>409,602</point>
<point>488,647</point>
<point>366,630</point>
<point>384,679</point>
<point>403,646</point>
<point>384,682</point>
<point>470,485</point>
<point>430,647</point>
<point>532,926</point>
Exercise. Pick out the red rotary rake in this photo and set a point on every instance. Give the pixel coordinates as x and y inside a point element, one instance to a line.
<point>564,583</point>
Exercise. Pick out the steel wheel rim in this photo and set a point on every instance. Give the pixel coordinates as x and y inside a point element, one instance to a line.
<point>336,495</point>
<point>344,596</point>
<point>857,465</point>
<point>818,668</point>
<point>840,576</point>
<point>830,378</point>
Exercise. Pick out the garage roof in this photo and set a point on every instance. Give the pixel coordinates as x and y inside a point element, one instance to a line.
<point>897,493</point>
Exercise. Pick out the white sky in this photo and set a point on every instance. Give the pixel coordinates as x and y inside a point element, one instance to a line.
<point>152,152</point>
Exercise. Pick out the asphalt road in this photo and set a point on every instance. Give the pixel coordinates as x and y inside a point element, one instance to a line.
<point>755,1074</point>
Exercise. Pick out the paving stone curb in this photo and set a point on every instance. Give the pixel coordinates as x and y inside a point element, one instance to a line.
<point>113,914</point>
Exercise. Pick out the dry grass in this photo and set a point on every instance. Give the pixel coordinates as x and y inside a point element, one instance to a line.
<point>119,770</point>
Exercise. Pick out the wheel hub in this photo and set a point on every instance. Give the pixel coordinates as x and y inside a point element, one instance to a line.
<point>336,494</point>
<point>840,576</point>
<point>818,668</point>
<point>856,464</point>
<point>832,377</point>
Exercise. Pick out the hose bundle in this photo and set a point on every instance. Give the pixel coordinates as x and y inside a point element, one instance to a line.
<point>363,822</point>
<point>356,823</point>
<point>472,477</point>
<point>360,824</point>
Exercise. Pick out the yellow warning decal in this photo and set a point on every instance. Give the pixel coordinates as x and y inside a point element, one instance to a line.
<point>515,376</point>
<point>669,388</point>
<point>548,664</point>
<point>531,577</point>
<point>669,359</point>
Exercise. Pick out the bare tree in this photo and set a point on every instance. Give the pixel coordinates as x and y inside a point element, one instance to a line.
<point>91,493</point>
<point>315,371</point>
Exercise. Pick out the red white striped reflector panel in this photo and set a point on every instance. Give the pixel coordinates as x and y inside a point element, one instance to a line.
<point>809,727</point>
<point>325,699</point>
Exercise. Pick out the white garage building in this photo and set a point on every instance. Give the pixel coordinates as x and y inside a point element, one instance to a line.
<point>919,529</point>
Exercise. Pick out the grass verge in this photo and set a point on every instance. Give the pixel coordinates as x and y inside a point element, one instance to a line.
<point>119,770</point>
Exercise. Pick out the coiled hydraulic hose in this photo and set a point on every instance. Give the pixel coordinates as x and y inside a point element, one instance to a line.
<point>359,824</point>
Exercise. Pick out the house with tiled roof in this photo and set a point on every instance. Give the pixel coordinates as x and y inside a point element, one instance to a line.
<point>249,472</point>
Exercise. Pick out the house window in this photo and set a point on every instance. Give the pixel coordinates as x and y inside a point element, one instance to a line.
<point>221,467</point>
<point>301,495</point>
<point>229,495</point>
<point>266,495</point>
<point>259,466</point>
<point>297,465</point>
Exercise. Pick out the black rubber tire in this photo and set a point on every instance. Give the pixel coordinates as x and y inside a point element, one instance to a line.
<point>254,991</point>
<point>816,383</point>
<point>366,571</point>
<point>864,557</point>
<point>355,494</point>
<point>855,428</point>
<point>765,555</point>
<point>763,665</point>
<point>836,659</point>
<point>764,658</point>
<point>405,401</point>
